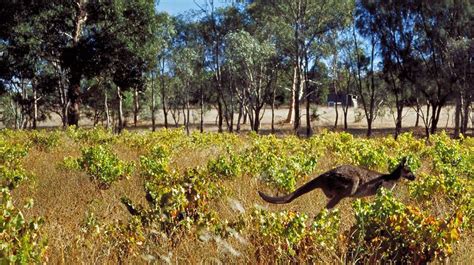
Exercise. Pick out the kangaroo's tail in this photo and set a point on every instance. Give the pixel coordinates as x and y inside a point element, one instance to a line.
<point>311,185</point>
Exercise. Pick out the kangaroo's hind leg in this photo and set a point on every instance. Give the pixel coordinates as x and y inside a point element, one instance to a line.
<point>334,201</point>
<point>355,186</point>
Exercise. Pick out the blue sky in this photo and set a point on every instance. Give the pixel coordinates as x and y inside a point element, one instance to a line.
<point>176,7</point>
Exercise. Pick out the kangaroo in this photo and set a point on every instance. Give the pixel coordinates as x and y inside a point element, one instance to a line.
<point>347,181</point>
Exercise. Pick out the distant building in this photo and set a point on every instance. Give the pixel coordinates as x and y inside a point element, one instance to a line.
<point>342,99</point>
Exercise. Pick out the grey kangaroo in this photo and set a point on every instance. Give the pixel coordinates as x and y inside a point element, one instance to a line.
<point>347,181</point>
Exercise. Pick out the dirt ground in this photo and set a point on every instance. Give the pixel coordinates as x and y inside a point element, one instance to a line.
<point>325,118</point>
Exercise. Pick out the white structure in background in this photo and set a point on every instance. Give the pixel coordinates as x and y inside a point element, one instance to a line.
<point>342,99</point>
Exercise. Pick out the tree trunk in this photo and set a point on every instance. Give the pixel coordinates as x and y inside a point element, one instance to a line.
<point>369,127</point>
<point>230,124</point>
<point>64,109</point>
<point>220,115</point>
<point>163,95</point>
<point>175,114</point>
<point>96,117</point>
<point>120,110</point>
<point>467,104</point>
<point>251,119</point>
<point>398,122</point>
<point>245,113</point>
<point>14,107</point>
<point>113,118</point>
<point>153,104</point>
<point>244,107</point>
<point>35,108</point>
<point>136,107</point>
<point>241,110</point>
<point>74,101</point>
<point>188,110</point>
<point>426,120</point>
<point>165,112</point>
<point>256,125</point>
<point>358,77</point>
<point>447,120</point>
<point>218,77</point>
<point>457,114</point>
<point>335,89</point>
<point>309,130</point>
<point>64,101</point>
<point>74,91</point>
<point>201,105</point>
<point>25,111</point>
<point>418,109</point>
<point>107,115</point>
<point>372,109</point>
<point>345,107</point>
<point>297,120</point>
<point>435,118</point>
<point>345,110</point>
<point>290,118</point>
<point>186,117</point>
<point>273,108</point>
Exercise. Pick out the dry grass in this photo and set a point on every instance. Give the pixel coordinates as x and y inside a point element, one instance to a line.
<point>64,198</point>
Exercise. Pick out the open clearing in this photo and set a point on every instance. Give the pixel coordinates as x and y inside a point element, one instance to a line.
<point>325,119</point>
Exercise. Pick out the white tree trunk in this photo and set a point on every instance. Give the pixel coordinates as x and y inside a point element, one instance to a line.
<point>120,110</point>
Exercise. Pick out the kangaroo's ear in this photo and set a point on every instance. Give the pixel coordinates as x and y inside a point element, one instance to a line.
<point>403,161</point>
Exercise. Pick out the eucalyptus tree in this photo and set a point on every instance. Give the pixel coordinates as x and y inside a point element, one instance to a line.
<point>460,51</point>
<point>425,46</point>
<point>316,81</point>
<point>20,65</point>
<point>393,25</point>
<point>215,24</point>
<point>367,78</point>
<point>17,97</point>
<point>29,81</point>
<point>185,59</point>
<point>129,42</point>
<point>184,66</point>
<point>299,23</point>
<point>166,32</point>
<point>252,60</point>
<point>335,51</point>
<point>442,26</point>
<point>462,63</point>
<point>82,40</point>
<point>346,79</point>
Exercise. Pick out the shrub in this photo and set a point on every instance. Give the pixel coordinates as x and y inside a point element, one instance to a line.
<point>450,157</point>
<point>96,136</point>
<point>355,151</point>
<point>11,169</point>
<point>455,193</point>
<point>177,201</point>
<point>279,162</point>
<point>21,241</point>
<point>101,164</point>
<point>155,165</point>
<point>45,141</point>
<point>225,166</point>
<point>427,186</point>
<point>287,236</point>
<point>386,230</point>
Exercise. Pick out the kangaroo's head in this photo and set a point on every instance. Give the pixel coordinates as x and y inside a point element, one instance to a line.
<point>401,171</point>
<point>405,171</point>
